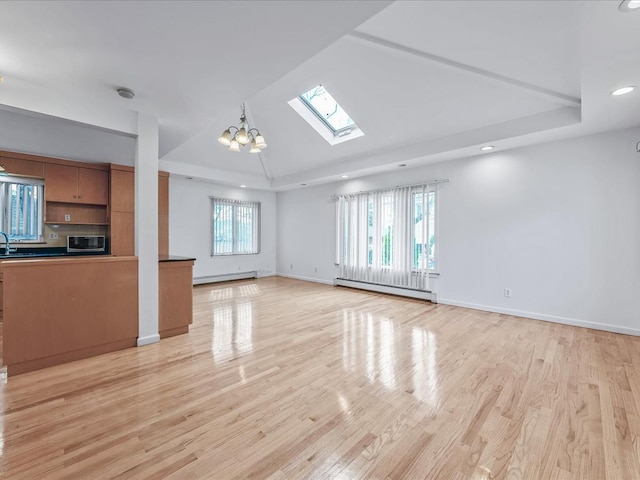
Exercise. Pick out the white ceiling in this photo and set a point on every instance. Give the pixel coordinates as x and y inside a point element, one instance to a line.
<point>425,80</point>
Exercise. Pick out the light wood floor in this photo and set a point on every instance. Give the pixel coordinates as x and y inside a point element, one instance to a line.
<point>282,379</point>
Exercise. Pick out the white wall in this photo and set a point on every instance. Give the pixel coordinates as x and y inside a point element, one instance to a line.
<point>29,132</point>
<point>190,227</point>
<point>558,224</point>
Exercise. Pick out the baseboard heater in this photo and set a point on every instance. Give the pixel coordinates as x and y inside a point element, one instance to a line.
<point>225,277</point>
<point>376,287</point>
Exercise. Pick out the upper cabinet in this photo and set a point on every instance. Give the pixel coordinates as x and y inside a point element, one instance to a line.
<point>122,189</point>
<point>163,193</point>
<point>93,186</point>
<point>20,166</point>
<point>68,184</point>
<point>122,216</point>
<point>163,213</point>
<point>122,210</point>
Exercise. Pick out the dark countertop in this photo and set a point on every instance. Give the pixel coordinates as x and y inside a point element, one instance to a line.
<point>175,258</point>
<point>29,253</point>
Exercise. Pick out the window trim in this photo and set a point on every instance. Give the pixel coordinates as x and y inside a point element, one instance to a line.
<point>257,228</point>
<point>34,181</point>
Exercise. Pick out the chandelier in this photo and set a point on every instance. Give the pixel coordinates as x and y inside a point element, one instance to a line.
<point>242,136</point>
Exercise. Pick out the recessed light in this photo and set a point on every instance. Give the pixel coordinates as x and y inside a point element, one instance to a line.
<point>629,5</point>
<point>243,186</point>
<point>344,176</point>
<point>486,148</point>
<point>126,93</point>
<point>402,164</point>
<point>622,91</point>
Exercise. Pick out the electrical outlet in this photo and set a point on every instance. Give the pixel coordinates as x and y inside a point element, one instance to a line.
<point>292,266</point>
<point>315,269</point>
<point>67,217</point>
<point>507,292</point>
<point>53,236</point>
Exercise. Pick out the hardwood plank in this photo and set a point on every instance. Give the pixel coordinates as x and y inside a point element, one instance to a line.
<point>282,379</point>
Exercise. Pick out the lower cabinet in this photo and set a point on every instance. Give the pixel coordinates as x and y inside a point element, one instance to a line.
<point>63,309</point>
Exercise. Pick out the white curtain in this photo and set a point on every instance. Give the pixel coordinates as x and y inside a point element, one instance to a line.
<point>384,236</point>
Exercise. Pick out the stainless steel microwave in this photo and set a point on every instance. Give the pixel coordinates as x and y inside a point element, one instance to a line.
<point>91,243</point>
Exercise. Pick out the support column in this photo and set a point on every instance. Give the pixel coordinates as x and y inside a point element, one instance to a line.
<point>146,222</point>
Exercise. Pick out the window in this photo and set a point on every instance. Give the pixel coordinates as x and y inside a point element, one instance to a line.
<point>424,231</point>
<point>21,208</point>
<point>236,227</point>
<point>388,237</point>
<point>327,109</point>
<point>322,112</point>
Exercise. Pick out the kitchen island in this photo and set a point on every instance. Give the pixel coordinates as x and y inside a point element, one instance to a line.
<point>57,310</point>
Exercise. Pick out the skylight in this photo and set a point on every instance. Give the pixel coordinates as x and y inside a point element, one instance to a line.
<point>322,112</point>
<point>327,109</point>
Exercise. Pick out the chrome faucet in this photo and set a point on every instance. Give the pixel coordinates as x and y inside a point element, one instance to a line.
<point>7,249</point>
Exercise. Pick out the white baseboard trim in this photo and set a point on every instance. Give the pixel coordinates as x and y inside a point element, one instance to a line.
<point>148,340</point>
<point>225,277</point>
<point>262,274</point>
<point>375,287</point>
<point>544,317</point>
<point>306,279</point>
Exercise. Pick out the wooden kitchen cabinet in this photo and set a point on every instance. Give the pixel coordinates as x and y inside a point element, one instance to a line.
<point>163,234</point>
<point>122,233</point>
<point>163,193</point>
<point>54,313</point>
<point>1,295</point>
<point>122,192</point>
<point>19,166</point>
<point>93,186</point>
<point>122,189</point>
<point>175,299</point>
<point>61,183</point>
<point>68,184</point>
<point>77,214</point>
<point>163,213</point>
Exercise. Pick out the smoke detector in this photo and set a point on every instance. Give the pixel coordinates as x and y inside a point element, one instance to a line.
<point>126,93</point>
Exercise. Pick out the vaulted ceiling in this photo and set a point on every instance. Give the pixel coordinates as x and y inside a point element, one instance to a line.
<point>425,81</point>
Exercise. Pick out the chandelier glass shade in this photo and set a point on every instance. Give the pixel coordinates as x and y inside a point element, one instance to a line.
<point>243,135</point>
